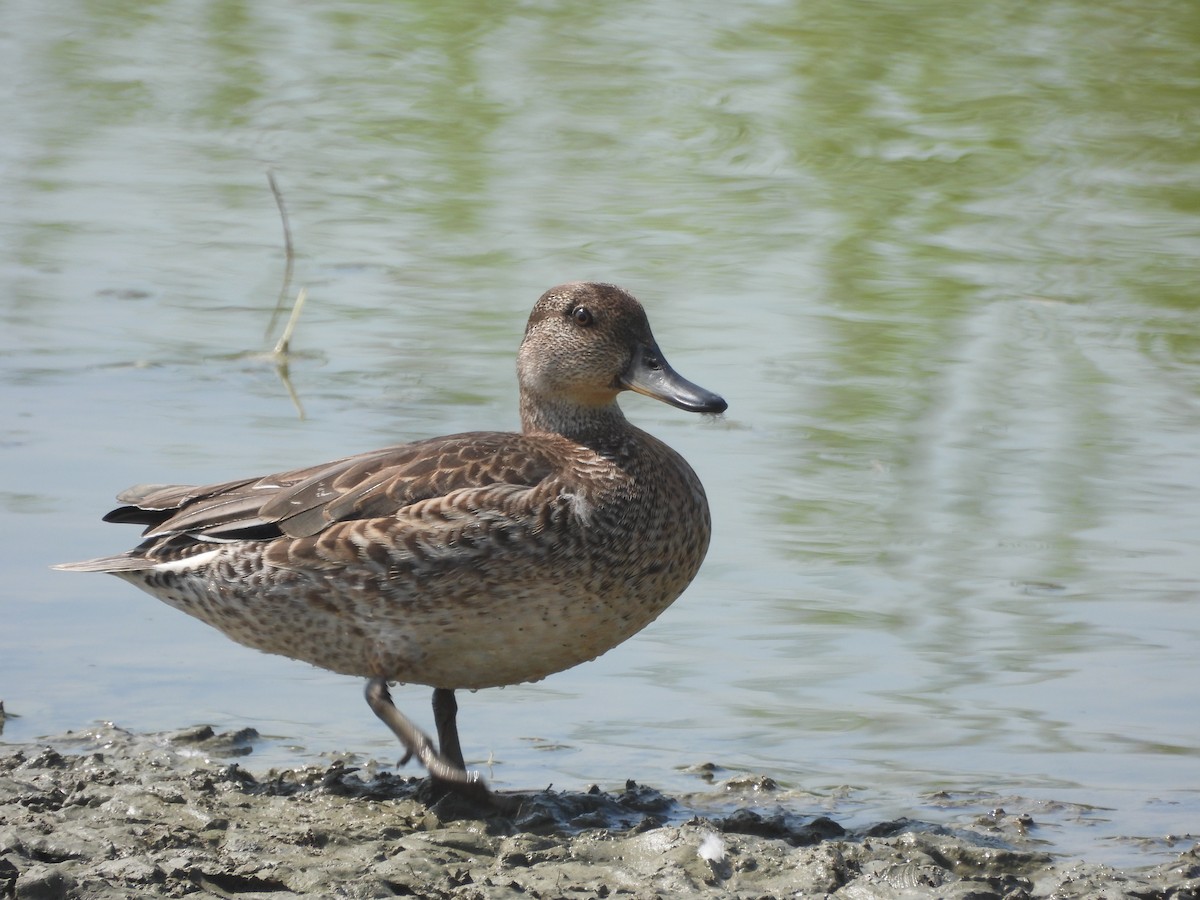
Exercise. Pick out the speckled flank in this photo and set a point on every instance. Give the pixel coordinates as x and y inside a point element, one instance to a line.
<point>466,561</point>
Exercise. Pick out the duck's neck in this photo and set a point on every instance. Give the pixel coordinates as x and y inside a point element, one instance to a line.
<point>595,426</point>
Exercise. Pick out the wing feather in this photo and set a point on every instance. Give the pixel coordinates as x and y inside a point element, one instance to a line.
<point>304,502</point>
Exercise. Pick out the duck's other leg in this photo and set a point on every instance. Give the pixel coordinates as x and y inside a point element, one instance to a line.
<point>419,744</point>
<point>445,716</point>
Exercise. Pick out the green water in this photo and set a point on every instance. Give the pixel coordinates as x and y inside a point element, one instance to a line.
<point>940,258</point>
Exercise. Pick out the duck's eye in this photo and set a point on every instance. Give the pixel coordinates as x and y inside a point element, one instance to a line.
<point>582,316</point>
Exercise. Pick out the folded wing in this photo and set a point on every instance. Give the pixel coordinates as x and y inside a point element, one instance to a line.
<point>304,502</point>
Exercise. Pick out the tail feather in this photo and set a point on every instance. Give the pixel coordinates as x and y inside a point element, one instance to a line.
<point>113,564</point>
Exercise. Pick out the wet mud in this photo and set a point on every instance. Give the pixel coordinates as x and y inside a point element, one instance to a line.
<point>111,814</point>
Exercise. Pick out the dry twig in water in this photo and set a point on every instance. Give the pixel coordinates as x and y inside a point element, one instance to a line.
<point>289,254</point>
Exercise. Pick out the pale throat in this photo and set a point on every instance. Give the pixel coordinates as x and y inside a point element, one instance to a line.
<point>587,423</point>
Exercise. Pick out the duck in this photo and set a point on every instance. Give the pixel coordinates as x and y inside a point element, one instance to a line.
<point>461,562</point>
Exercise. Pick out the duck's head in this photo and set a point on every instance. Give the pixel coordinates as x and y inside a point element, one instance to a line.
<point>587,342</point>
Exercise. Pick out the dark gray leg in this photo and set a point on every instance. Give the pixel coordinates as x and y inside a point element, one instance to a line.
<point>445,716</point>
<point>443,768</point>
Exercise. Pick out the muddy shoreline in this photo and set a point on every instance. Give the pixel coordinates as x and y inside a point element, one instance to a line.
<point>109,813</point>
